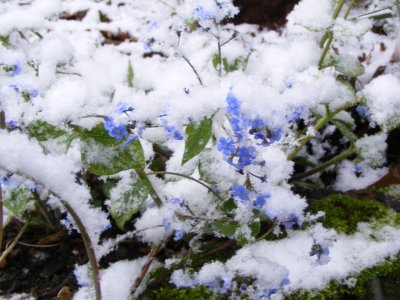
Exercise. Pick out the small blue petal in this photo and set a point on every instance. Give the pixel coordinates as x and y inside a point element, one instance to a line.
<point>226,146</point>
<point>240,192</point>
<point>16,69</point>
<point>165,224</point>
<point>178,235</point>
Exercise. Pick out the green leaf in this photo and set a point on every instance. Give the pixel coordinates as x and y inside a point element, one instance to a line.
<point>345,64</point>
<point>228,205</point>
<point>104,155</point>
<point>226,226</point>
<point>345,129</point>
<point>43,131</point>
<point>130,202</point>
<point>215,61</point>
<point>197,137</point>
<point>255,228</point>
<point>130,75</point>
<point>17,201</point>
<point>4,40</point>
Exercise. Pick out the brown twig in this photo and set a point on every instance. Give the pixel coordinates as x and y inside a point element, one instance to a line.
<point>150,257</point>
<point>13,244</point>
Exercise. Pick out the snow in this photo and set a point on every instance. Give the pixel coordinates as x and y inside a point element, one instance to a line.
<point>22,156</point>
<point>66,72</point>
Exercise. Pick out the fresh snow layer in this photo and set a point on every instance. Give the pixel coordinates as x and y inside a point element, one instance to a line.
<point>25,157</point>
<point>71,73</point>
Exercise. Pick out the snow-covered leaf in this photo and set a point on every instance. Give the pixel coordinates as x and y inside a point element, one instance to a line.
<point>197,137</point>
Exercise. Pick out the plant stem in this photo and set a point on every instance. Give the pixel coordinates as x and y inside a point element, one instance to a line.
<point>187,177</point>
<point>193,68</point>
<point>338,9</point>
<point>219,56</point>
<point>321,123</point>
<point>350,151</point>
<point>2,120</point>
<point>85,236</point>
<point>13,244</point>
<point>326,49</point>
<point>349,9</point>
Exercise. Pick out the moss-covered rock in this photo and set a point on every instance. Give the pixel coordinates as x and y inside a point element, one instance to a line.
<point>387,275</point>
<point>343,213</point>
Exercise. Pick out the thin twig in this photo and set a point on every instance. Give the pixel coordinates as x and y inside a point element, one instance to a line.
<point>187,177</point>
<point>39,246</point>
<point>268,232</point>
<point>219,56</point>
<point>13,244</point>
<point>193,68</point>
<point>143,271</point>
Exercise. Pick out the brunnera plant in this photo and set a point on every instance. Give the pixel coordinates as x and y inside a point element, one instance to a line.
<point>218,176</point>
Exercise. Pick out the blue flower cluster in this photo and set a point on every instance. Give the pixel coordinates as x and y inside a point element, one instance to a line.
<point>170,130</point>
<point>242,194</point>
<point>236,149</point>
<point>291,221</point>
<point>26,92</point>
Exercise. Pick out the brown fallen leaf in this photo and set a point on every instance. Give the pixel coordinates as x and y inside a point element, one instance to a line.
<point>64,294</point>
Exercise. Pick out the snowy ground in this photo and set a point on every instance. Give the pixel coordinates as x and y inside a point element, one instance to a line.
<point>163,74</point>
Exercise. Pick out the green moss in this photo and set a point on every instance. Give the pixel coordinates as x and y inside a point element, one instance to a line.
<point>343,213</point>
<point>195,293</point>
<point>388,274</point>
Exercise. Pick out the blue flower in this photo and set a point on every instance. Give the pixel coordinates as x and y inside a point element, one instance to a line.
<point>153,25</point>
<point>293,219</point>
<point>226,284</point>
<point>261,200</point>
<point>226,145</point>
<point>33,93</point>
<point>236,124</point>
<point>296,114</point>
<point>129,141</point>
<point>165,224</point>
<point>361,110</point>
<point>357,169</point>
<point>288,83</point>
<point>285,281</point>
<point>105,228</point>
<point>257,123</point>
<point>176,201</point>
<point>322,254</point>
<point>276,135</point>
<point>6,180</point>
<point>116,131</point>
<point>233,107</point>
<point>15,87</point>
<point>246,156</point>
<point>240,192</point>
<point>16,69</point>
<point>172,132</point>
<point>178,235</point>
<point>12,124</point>
<point>202,13</point>
<point>121,108</point>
